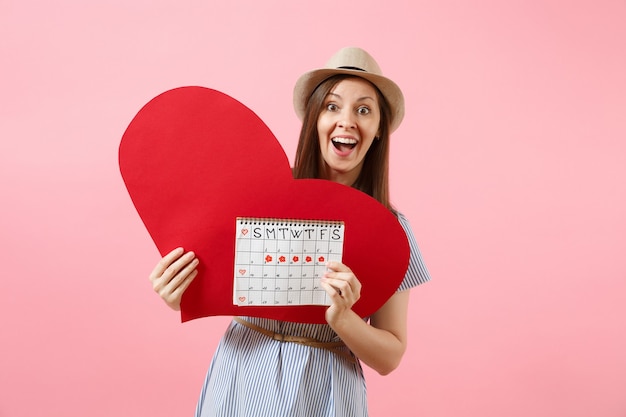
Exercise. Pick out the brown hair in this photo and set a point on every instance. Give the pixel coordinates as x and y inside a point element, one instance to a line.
<point>374,176</point>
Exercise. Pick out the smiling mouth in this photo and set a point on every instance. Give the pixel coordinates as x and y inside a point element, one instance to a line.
<point>344,144</point>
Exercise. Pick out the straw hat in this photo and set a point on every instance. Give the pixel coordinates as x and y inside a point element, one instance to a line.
<point>351,61</point>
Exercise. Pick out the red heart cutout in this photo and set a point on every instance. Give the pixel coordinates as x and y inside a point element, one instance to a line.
<point>194,159</point>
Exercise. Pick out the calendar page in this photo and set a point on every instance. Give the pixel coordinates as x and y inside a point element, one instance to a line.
<point>281,261</point>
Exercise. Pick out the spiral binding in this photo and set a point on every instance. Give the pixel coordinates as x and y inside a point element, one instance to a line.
<point>271,221</point>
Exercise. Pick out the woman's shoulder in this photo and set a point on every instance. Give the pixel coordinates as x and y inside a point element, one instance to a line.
<point>403,220</point>
<point>417,273</point>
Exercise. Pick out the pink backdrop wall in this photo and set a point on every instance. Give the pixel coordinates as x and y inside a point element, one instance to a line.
<point>511,165</point>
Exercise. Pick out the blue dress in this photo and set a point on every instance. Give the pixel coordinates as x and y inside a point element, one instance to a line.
<point>254,375</point>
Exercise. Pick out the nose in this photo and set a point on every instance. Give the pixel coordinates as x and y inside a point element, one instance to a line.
<point>346,120</point>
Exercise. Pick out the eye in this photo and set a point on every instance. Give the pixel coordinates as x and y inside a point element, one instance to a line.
<point>332,107</point>
<point>363,110</point>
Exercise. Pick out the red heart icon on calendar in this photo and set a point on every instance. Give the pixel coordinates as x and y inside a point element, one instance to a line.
<point>194,160</point>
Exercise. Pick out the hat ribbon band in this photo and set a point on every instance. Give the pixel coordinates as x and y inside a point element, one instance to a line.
<point>352,68</point>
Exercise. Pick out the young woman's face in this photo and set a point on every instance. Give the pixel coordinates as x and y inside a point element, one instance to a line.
<point>346,127</point>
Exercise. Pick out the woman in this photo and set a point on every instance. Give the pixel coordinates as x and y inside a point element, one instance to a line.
<point>266,367</point>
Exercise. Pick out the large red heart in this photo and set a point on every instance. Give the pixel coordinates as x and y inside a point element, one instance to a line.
<point>194,159</point>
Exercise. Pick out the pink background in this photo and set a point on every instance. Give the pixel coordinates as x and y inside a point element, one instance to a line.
<point>511,166</point>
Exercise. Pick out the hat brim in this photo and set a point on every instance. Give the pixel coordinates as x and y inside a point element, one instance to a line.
<point>308,82</point>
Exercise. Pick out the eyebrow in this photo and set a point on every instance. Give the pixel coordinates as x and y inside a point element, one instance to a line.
<point>359,99</point>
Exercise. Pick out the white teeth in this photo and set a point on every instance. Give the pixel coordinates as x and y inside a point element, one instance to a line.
<point>345,141</point>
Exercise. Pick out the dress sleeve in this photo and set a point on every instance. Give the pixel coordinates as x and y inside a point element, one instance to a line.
<point>416,273</point>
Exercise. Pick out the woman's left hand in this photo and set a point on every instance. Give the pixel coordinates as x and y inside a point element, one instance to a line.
<point>344,290</point>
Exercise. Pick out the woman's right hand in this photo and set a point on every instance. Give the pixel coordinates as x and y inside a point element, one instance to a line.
<point>173,274</point>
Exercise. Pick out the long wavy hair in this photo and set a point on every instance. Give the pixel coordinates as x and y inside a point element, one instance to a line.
<point>374,176</point>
